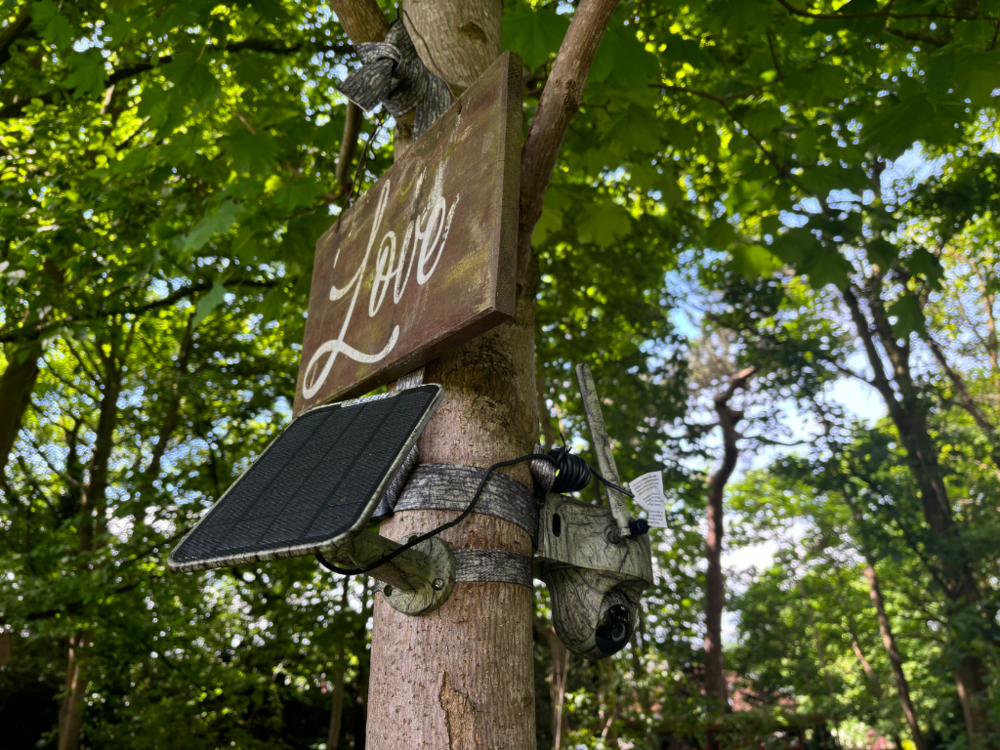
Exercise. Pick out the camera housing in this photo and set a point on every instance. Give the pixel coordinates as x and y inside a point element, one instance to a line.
<point>595,576</point>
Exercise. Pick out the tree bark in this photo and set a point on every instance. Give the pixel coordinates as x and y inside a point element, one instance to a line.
<point>715,675</point>
<point>16,386</point>
<point>71,710</point>
<point>363,20</point>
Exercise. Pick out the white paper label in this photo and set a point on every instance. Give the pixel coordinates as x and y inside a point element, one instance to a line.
<point>648,491</point>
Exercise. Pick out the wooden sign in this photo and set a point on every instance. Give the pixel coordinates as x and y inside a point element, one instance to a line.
<point>425,260</point>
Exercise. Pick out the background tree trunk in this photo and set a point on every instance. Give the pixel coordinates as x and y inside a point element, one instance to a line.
<point>16,385</point>
<point>908,412</point>
<point>90,530</point>
<point>889,641</point>
<point>558,677</point>
<point>715,584</point>
<point>337,700</point>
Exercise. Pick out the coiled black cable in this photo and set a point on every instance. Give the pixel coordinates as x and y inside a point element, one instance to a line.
<point>567,465</point>
<point>572,472</point>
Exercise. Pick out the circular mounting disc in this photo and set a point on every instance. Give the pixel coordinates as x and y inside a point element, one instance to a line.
<point>435,589</point>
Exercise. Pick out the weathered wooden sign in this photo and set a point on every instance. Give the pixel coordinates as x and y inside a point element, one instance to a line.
<point>425,259</point>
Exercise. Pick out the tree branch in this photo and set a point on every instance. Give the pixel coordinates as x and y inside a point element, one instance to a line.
<point>348,145</point>
<point>559,102</point>
<point>14,31</point>
<point>170,299</point>
<point>253,45</point>
<point>956,380</point>
<point>883,12</point>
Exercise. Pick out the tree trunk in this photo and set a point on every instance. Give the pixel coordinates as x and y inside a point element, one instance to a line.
<point>909,415</point>
<point>866,666</point>
<point>461,677</point>
<point>885,628</point>
<point>715,675</point>
<point>558,677</point>
<point>71,711</point>
<point>889,641</point>
<point>820,648</point>
<point>337,702</point>
<point>89,532</point>
<point>16,386</point>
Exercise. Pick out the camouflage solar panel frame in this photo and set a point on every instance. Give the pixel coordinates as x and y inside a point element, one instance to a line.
<point>315,485</point>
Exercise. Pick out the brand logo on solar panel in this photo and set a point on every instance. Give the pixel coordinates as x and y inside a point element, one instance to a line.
<point>315,485</point>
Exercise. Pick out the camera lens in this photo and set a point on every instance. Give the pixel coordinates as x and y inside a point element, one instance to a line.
<point>613,629</point>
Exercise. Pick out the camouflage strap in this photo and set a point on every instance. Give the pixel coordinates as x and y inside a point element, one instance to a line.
<point>394,75</point>
<point>451,487</point>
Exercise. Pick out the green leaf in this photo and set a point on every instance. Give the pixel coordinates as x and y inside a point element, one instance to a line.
<point>720,234</point>
<point>924,262</point>
<point>895,128</point>
<point>270,9</point>
<point>754,261</point>
<point>604,224</point>
<point>88,75</point>
<point>826,267</point>
<point>221,220</point>
<point>763,119</point>
<point>818,85</point>
<point>796,244</point>
<point>273,304</point>
<point>50,24</point>
<point>636,128</point>
<point>550,221</point>
<point>209,301</point>
<point>623,60</point>
<point>821,180</point>
<point>909,316</point>
<point>133,161</point>
<point>965,75</point>
<point>882,253</point>
<point>251,154</point>
<point>534,35</point>
<point>302,192</point>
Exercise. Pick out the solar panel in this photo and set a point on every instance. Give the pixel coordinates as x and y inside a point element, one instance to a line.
<point>316,484</point>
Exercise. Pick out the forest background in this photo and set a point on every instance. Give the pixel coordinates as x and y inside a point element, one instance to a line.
<point>772,232</point>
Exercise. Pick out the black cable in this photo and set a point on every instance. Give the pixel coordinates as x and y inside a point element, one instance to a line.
<point>561,458</point>
<point>573,473</point>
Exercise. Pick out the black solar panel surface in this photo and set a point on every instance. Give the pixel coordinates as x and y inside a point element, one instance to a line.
<point>313,482</point>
